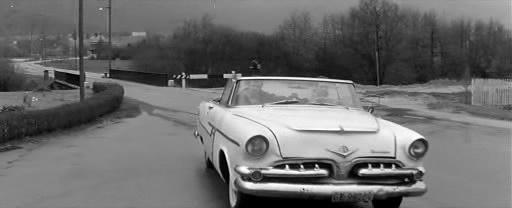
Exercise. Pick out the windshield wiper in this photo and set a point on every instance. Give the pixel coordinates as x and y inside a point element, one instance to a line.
<point>329,104</point>
<point>323,104</point>
<point>282,102</point>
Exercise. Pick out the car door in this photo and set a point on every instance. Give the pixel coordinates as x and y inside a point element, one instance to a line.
<point>215,112</point>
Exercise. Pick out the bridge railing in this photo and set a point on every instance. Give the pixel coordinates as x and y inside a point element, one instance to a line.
<point>158,79</point>
<point>65,78</point>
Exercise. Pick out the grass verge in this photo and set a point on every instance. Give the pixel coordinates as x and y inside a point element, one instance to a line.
<point>452,103</point>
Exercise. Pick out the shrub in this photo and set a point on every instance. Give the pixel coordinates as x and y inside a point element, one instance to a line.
<point>11,108</point>
<point>10,80</point>
<point>107,98</point>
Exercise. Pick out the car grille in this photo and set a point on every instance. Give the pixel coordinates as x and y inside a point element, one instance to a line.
<point>375,165</point>
<point>298,165</point>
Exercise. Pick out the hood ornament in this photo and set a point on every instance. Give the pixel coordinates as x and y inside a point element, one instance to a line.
<point>343,151</point>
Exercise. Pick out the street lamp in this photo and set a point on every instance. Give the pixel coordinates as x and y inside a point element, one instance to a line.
<point>109,10</point>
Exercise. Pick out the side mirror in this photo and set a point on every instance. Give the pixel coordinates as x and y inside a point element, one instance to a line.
<point>371,109</point>
<point>217,100</point>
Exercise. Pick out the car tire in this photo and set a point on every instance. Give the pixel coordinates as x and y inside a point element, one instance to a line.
<point>393,202</point>
<point>208,162</point>
<point>238,199</point>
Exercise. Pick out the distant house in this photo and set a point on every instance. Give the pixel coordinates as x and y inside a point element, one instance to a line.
<point>139,34</point>
<point>125,41</point>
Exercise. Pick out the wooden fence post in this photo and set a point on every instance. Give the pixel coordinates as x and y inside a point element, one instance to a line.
<point>183,80</point>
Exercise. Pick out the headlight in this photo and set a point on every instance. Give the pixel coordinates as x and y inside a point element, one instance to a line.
<point>256,146</point>
<point>418,148</point>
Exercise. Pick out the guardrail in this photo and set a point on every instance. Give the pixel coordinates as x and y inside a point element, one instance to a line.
<point>202,80</point>
<point>184,80</point>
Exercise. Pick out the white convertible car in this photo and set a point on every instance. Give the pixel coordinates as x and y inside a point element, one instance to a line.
<point>307,138</point>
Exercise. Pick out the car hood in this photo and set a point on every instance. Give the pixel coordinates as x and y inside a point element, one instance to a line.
<point>323,131</point>
<point>315,118</point>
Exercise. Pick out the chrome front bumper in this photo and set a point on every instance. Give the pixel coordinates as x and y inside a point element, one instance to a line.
<point>326,191</point>
<point>253,184</point>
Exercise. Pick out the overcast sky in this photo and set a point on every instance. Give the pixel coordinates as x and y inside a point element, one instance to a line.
<point>256,15</point>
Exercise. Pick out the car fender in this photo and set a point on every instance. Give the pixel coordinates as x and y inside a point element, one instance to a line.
<point>404,138</point>
<point>231,137</point>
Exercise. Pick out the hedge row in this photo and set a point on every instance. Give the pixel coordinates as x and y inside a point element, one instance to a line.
<point>107,98</point>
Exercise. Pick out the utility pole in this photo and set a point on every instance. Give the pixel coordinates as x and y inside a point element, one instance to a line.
<point>31,38</point>
<point>377,40</point>
<point>109,25</point>
<point>43,47</point>
<point>377,55</point>
<point>109,36</point>
<point>81,47</point>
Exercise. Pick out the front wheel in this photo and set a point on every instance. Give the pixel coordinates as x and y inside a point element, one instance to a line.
<point>237,199</point>
<point>393,202</point>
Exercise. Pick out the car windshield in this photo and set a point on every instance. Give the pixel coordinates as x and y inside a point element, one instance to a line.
<point>293,92</point>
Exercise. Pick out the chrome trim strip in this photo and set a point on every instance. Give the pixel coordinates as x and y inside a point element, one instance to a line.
<point>224,135</point>
<point>204,127</point>
<point>377,172</point>
<point>269,129</point>
<point>283,173</point>
<point>228,138</point>
<point>326,191</point>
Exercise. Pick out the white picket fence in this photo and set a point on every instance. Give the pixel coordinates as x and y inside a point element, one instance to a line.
<point>494,92</point>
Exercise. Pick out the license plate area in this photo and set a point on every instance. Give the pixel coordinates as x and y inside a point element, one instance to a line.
<point>351,197</point>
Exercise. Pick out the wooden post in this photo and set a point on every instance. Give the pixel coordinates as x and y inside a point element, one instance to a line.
<point>46,75</point>
<point>183,80</point>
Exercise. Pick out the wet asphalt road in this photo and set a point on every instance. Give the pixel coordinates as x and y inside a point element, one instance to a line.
<point>154,161</point>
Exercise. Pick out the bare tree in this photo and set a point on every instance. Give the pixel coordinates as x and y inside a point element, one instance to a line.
<point>298,37</point>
